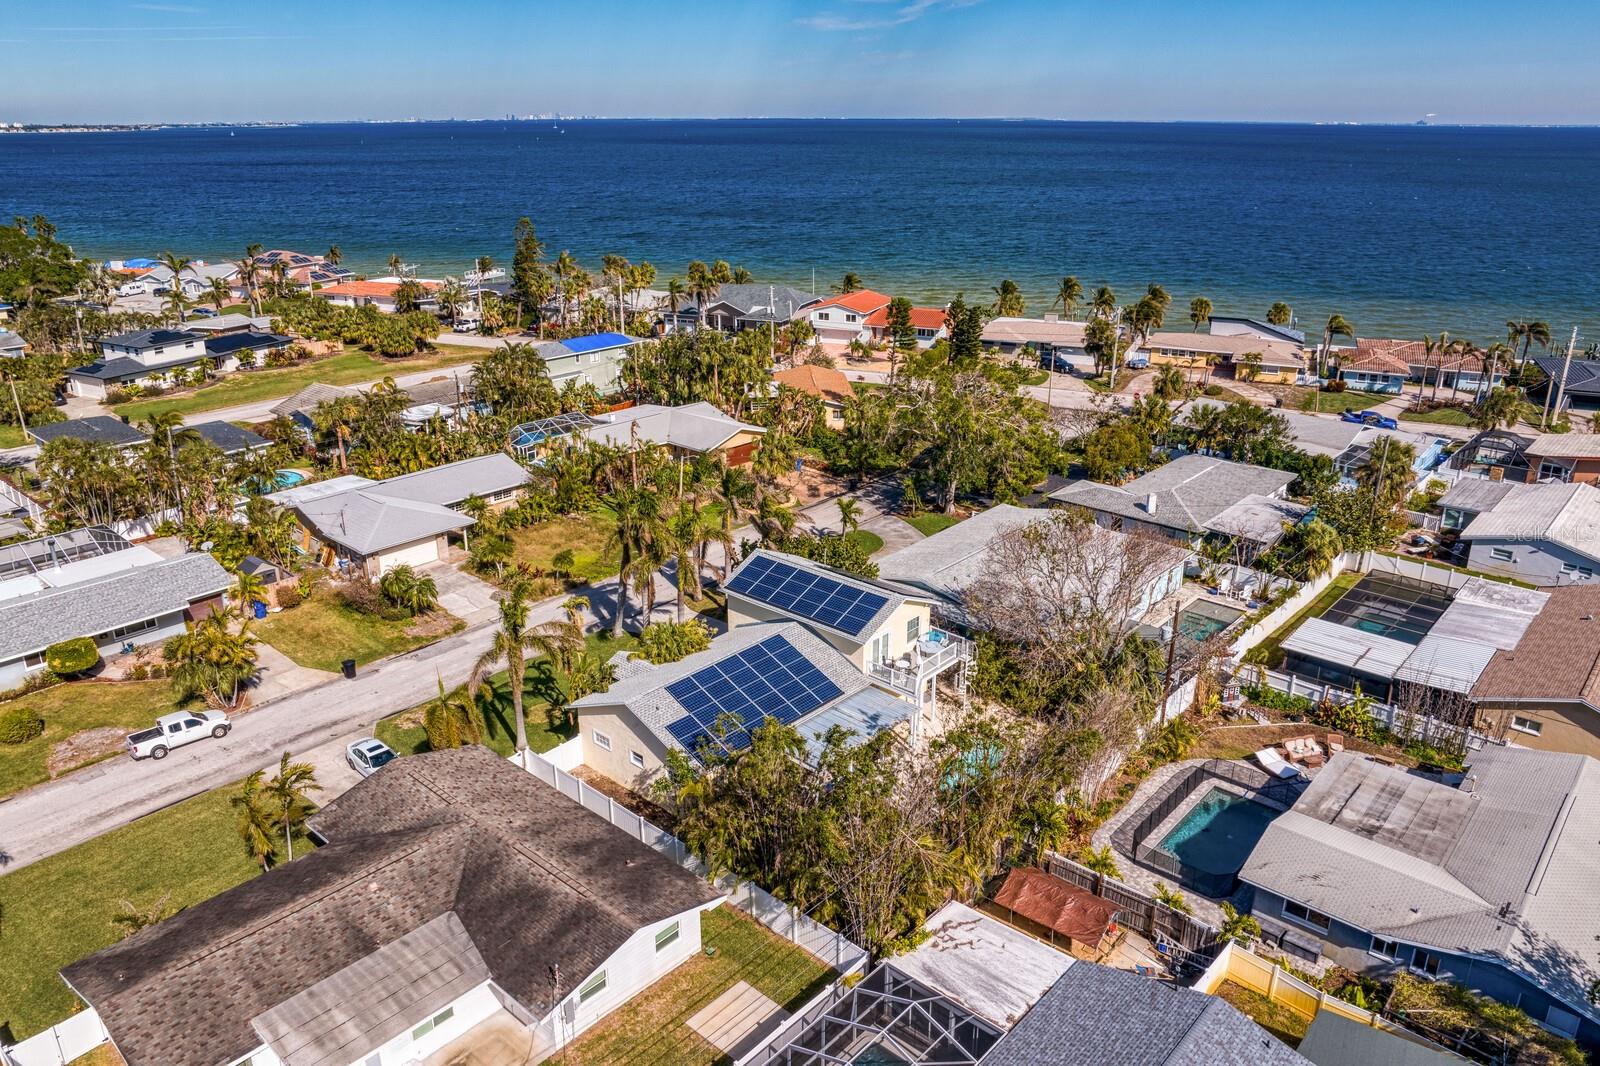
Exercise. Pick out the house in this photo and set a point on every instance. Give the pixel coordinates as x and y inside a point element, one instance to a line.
<point>931,324</point>
<point>885,629</point>
<point>713,699</point>
<point>136,357</point>
<point>843,318</point>
<point>379,294</point>
<point>735,308</point>
<point>1577,381</point>
<point>1193,497</point>
<point>1543,690</point>
<point>11,345</point>
<point>232,322</point>
<point>1267,360</point>
<point>1543,534</point>
<point>1048,336</point>
<point>595,360</point>
<point>448,397</point>
<point>230,439</point>
<point>301,408</point>
<point>457,900</point>
<point>685,431</point>
<point>1563,457</point>
<point>1375,364</point>
<point>1469,497</point>
<point>947,564</point>
<point>374,526</point>
<point>1373,370</point>
<point>196,279</point>
<point>1241,326</point>
<point>298,267</point>
<point>93,583</point>
<point>227,350</point>
<point>825,383</point>
<point>99,429</point>
<point>1349,444</point>
<point>1482,880</point>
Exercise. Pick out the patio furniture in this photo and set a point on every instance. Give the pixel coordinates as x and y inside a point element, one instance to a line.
<point>1335,742</point>
<point>1304,750</point>
<point>1274,764</point>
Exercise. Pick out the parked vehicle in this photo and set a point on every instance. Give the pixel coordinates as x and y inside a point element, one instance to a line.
<point>1353,416</point>
<point>203,312</point>
<point>367,755</point>
<point>1058,363</point>
<point>176,730</point>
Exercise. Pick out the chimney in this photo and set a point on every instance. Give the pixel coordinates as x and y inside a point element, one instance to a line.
<point>1051,316</point>
<point>1150,504</point>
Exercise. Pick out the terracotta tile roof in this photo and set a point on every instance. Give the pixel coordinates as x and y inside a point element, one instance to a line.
<point>921,317</point>
<point>368,288</point>
<point>821,381</point>
<point>1558,658</point>
<point>1375,357</point>
<point>862,301</point>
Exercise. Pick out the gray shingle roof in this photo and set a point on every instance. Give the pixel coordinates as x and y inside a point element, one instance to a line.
<point>644,693</point>
<point>1095,1015</point>
<point>778,303</point>
<point>1505,870</point>
<point>101,428</point>
<point>229,438</point>
<point>531,878</point>
<point>1189,492</point>
<point>366,521</point>
<point>309,397</point>
<point>1478,494</point>
<point>695,427</point>
<point>35,621</point>
<point>452,483</point>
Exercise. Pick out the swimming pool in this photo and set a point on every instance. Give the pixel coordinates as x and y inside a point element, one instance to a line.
<point>288,479</point>
<point>1217,835</point>
<point>1202,621</point>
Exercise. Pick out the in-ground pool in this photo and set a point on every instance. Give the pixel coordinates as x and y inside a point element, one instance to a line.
<point>1203,620</point>
<point>288,479</point>
<point>1217,835</point>
<point>875,1054</point>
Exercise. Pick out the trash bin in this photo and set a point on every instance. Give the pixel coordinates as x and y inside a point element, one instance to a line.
<point>349,667</point>
<point>259,607</point>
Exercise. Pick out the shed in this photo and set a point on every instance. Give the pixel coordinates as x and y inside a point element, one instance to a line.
<point>1087,922</point>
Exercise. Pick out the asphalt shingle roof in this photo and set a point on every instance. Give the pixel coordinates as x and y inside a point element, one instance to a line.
<point>101,428</point>
<point>695,427</point>
<point>532,880</point>
<point>228,437</point>
<point>1558,657</point>
<point>778,303</point>
<point>371,518</point>
<point>307,399</point>
<point>1190,491</point>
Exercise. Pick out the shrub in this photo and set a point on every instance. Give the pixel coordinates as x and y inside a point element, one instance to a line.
<point>1212,390</point>
<point>1272,699</point>
<point>289,596</point>
<point>360,594</point>
<point>19,724</point>
<point>668,642</point>
<point>72,656</point>
<point>1336,385</point>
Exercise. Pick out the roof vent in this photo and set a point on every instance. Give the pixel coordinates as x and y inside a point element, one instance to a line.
<point>1587,618</point>
<point>1150,504</point>
<point>1470,784</point>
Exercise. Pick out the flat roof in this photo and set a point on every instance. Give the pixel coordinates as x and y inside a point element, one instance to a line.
<point>992,969</point>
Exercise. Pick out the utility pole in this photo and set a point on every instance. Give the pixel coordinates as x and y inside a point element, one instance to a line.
<point>1566,365</point>
<point>23,422</point>
<point>1172,655</point>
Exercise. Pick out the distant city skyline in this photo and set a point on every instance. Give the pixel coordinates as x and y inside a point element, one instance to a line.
<point>111,61</point>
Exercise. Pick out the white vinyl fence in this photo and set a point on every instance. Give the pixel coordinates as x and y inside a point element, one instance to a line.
<point>1255,634</point>
<point>1413,726</point>
<point>59,1044</point>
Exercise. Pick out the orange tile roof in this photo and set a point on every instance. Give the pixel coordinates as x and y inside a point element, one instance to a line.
<point>821,381</point>
<point>921,317</point>
<point>862,301</point>
<point>367,288</point>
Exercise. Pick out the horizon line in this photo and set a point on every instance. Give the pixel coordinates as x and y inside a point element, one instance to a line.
<point>270,122</point>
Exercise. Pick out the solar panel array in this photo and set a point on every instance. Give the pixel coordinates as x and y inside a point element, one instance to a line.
<point>821,599</point>
<point>767,680</point>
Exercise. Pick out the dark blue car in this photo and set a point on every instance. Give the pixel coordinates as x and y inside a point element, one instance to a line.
<point>1369,418</point>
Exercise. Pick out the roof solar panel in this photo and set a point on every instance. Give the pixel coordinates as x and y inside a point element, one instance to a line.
<point>815,597</point>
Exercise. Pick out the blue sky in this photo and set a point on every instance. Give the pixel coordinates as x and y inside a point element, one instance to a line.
<point>1300,60</point>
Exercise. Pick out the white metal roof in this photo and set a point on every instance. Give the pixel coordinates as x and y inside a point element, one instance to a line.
<point>1329,642</point>
<point>993,970</point>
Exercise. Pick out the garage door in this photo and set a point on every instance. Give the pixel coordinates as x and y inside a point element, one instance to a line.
<point>418,554</point>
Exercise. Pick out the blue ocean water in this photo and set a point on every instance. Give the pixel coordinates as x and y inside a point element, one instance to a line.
<point>1402,229</point>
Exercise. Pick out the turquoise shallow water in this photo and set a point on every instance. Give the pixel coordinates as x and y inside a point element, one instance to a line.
<point>1402,229</point>
<point>1218,833</point>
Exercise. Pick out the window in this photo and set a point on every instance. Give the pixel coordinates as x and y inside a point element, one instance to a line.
<point>667,936</point>
<point>1527,725</point>
<point>34,661</point>
<point>822,316</point>
<point>1425,963</point>
<point>1384,949</point>
<point>1305,915</point>
<point>636,758</point>
<point>1501,555</point>
<point>592,987</point>
<point>913,628</point>
<point>601,741</point>
<point>433,1023</point>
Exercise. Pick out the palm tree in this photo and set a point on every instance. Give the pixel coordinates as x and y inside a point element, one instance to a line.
<point>289,794</point>
<point>674,294</point>
<point>210,660</point>
<point>256,821</point>
<point>1207,427</point>
<point>395,263</point>
<point>851,282</point>
<point>134,918</point>
<point>1068,295</point>
<point>1279,314</point>
<point>1103,304</point>
<point>734,489</point>
<point>1529,334</point>
<point>248,588</point>
<point>220,294</point>
<point>515,641</point>
<point>335,255</point>
<point>1102,862</point>
<point>1495,357</point>
<point>1008,302</point>
<point>637,529</point>
<point>408,590</point>
<point>1502,407</point>
<point>451,721</point>
<point>1337,326</point>
<point>250,276</point>
<point>849,514</point>
<point>1239,928</point>
<point>703,287</point>
<point>1199,311</point>
<point>1169,382</point>
<point>177,264</point>
<point>451,295</point>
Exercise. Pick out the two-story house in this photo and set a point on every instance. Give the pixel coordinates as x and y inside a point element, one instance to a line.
<point>140,356</point>
<point>844,318</point>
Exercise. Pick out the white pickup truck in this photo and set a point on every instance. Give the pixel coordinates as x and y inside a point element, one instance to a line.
<point>176,730</point>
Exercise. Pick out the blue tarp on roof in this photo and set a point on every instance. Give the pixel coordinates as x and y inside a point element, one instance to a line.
<point>595,342</point>
<point>139,264</point>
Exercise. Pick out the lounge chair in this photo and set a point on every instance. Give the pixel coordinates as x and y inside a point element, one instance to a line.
<point>1274,764</point>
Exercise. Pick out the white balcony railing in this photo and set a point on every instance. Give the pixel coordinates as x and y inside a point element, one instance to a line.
<point>935,653</point>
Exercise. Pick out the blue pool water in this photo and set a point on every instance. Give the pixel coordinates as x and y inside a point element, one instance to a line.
<point>1201,626</point>
<point>288,479</point>
<point>1218,833</point>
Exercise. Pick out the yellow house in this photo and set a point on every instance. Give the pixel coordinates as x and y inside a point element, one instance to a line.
<point>1277,361</point>
<point>710,701</point>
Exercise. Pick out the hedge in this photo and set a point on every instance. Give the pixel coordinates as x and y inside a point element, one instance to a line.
<point>20,724</point>
<point>72,656</point>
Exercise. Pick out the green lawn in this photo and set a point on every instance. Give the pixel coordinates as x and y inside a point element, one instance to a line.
<point>404,733</point>
<point>1336,402</point>
<point>1443,416</point>
<point>930,522</point>
<point>868,540</point>
<point>584,535</point>
<point>322,632</point>
<point>59,909</point>
<point>349,368</point>
<point>1268,652</point>
<point>72,708</point>
<point>12,436</point>
<point>653,1026</point>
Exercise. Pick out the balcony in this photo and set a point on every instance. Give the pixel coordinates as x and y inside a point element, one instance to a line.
<point>936,652</point>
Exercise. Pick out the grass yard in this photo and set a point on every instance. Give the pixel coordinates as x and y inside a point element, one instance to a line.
<point>322,632</point>
<point>1285,1024</point>
<point>1268,651</point>
<point>350,368</point>
<point>653,1026</point>
<point>404,733</point>
<point>868,541</point>
<point>584,535</point>
<point>1443,416</point>
<point>1305,399</point>
<point>60,909</point>
<point>72,708</point>
<point>930,522</point>
<point>12,437</point>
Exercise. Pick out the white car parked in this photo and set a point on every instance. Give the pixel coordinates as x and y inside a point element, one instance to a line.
<point>366,755</point>
<point>176,730</point>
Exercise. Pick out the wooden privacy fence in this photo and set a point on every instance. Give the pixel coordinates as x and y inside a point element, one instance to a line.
<point>1192,941</point>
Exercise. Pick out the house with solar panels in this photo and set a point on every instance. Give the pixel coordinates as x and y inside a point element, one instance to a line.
<point>712,700</point>
<point>884,628</point>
